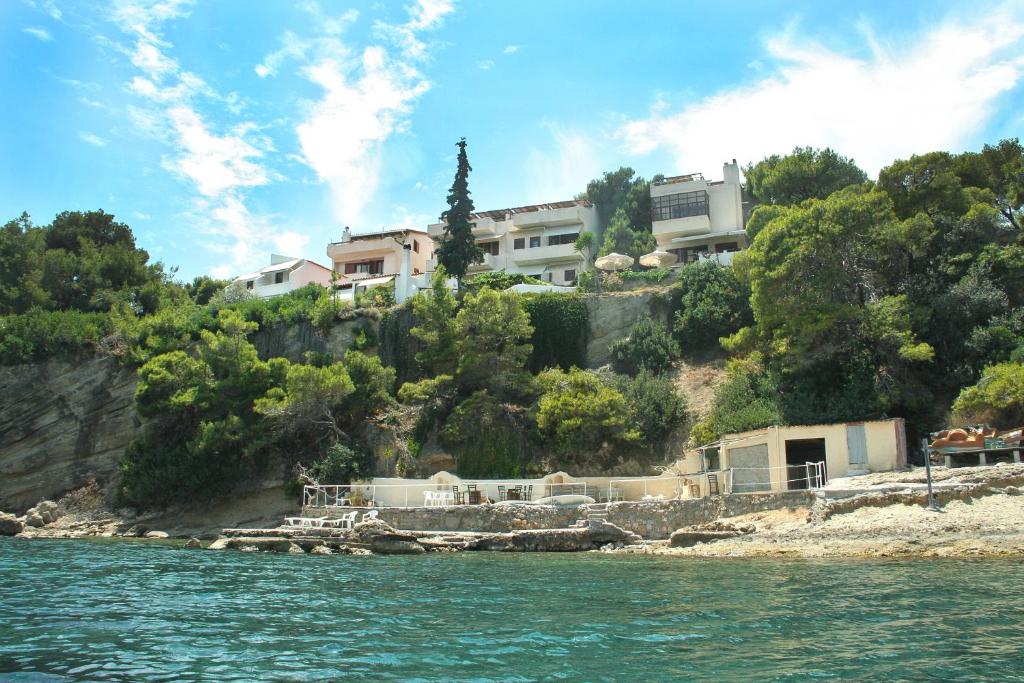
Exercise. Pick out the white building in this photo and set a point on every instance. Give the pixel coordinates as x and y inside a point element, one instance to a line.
<point>284,274</point>
<point>375,259</point>
<point>535,240</point>
<point>694,218</point>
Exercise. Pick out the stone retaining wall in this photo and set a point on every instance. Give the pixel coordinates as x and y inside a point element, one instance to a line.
<point>651,520</point>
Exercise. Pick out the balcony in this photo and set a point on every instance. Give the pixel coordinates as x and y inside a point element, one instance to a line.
<point>548,217</point>
<point>490,262</point>
<point>557,252</point>
<point>682,227</point>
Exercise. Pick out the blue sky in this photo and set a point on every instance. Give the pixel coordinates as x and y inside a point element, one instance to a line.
<point>222,131</point>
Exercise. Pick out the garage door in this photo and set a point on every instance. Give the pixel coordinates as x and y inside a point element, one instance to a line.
<point>750,468</point>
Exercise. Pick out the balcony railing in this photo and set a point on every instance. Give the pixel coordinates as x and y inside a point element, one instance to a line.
<point>555,252</point>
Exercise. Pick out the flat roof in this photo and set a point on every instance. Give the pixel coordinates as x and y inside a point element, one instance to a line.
<point>499,214</point>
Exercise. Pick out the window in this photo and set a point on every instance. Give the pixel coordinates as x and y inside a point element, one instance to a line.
<point>416,246</point>
<point>368,267</point>
<point>726,247</point>
<point>679,205</point>
<point>519,243</point>
<point>279,277</point>
<point>490,247</point>
<point>689,254</point>
<point>563,239</point>
<point>534,241</point>
<point>570,275</point>
<point>248,284</point>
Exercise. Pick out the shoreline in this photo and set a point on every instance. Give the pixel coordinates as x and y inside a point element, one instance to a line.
<point>981,515</point>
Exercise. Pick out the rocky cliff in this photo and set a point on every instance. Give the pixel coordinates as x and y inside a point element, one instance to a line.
<point>62,423</point>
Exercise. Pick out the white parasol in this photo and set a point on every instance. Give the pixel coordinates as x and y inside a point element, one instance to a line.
<point>658,259</point>
<point>614,261</point>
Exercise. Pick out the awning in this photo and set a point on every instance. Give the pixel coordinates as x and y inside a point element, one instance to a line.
<point>373,281</point>
<point>708,238</point>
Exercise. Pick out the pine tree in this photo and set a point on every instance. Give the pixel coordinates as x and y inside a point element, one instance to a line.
<point>459,249</point>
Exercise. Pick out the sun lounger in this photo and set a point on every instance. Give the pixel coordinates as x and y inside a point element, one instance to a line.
<point>305,521</point>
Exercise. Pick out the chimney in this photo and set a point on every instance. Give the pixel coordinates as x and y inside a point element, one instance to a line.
<point>346,235</point>
<point>731,173</point>
<point>404,283</point>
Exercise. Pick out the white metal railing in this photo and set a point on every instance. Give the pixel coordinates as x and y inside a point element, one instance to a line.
<point>814,474</point>
<point>414,495</point>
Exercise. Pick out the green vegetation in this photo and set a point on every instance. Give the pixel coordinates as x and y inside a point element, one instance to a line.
<point>561,329</point>
<point>623,205</point>
<point>458,249</point>
<point>997,398</point>
<point>649,346</point>
<point>710,302</point>
<point>499,280</point>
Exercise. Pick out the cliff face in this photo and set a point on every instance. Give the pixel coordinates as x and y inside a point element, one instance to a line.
<point>612,316</point>
<point>62,423</point>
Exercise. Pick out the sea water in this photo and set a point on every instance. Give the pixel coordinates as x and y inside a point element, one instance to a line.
<point>119,610</point>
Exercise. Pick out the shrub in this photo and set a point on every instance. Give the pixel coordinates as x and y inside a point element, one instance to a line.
<point>561,327</point>
<point>376,297</point>
<point>498,280</point>
<point>997,398</point>
<point>648,346</point>
<point>486,441</point>
<point>40,334</point>
<point>341,464</point>
<point>578,413</point>
<point>654,405</point>
<point>713,303</point>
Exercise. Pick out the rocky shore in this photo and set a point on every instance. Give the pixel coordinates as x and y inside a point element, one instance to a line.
<point>879,515</point>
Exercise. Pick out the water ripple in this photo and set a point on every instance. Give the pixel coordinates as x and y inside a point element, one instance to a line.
<point>76,610</point>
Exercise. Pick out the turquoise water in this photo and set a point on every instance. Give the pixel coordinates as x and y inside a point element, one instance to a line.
<point>73,610</point>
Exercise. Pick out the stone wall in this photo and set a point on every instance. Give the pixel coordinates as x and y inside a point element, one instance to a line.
<point>651,520</point>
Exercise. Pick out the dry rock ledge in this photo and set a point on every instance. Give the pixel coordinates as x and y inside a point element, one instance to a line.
<point>877,515</point>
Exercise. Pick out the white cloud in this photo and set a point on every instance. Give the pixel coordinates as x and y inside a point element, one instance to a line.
<point>367,98</point>
<point>558,170</point>
<point>39,33</point>
<point>141,216</point>
<point>932,92</point>
<point>511,49</point>
<point>485,64</point>
<point>291,47</point>
<point>92,138</point>
<point>47,7</point>
<point>424,15</point>
<point>220,165</point>
<point>95,104</point>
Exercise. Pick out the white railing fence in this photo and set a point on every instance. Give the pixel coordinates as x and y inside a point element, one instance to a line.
<point>686,485</point>
<point>812,474</point>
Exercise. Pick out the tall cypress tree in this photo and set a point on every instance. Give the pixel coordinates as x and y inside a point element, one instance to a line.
<point>459,249</point>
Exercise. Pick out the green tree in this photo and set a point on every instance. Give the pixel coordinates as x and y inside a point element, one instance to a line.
<point>624,238</point>
<point>21,250</point>
<point>711,303</point>
<point>654,405</point>
<point>492,333</point>
<point>458,249</point>
<point>649,346</point>
<point>203,288</point>
<point>807,173</point>
<point>621,190</point>
<point>435,314</point>
<point>311,397</point>
<point>997,399</point>
<point>579,414</point>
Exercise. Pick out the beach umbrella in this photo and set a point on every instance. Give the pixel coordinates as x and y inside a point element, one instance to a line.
<point>614,261</point>
<point>658,259</point>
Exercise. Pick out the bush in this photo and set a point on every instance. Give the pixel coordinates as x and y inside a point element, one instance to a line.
<point>654,405</point>
<point>341,464</point>
<point>561,328</point>
<point>485,439</point>
<point>997,399</point>
<point>498,280</point>
<point>579,414</point>
<point>376,297</point>
<point>40,334</point>
<point>649,346</point>
<point>712,303</point>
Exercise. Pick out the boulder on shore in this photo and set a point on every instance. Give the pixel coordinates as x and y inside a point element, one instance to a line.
<point>708,533</point>
<point>10,525</point>
<point>45,512</point>
<point>156,534</point>
<point>193,543</point>
<point>384,539</point>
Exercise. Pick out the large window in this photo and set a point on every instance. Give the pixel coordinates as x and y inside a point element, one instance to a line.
<point>490,247</point>
<point>367,267</point>
<point>570,275</point>
<point>519,243</point>
<point>279,277</point>
<point>562,239</point>
<point>679,205</point>
<point>689,254</point>
<point>534,241</point>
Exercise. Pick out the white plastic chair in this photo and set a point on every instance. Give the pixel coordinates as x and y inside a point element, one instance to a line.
<point>429,499</point>
<point>347,521</point>
<point>372,514</point>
